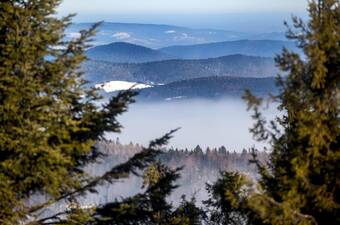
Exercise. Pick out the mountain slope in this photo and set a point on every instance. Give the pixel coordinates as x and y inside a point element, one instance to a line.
<point>209,87</point>
<point>121,52</point>
<point>175,70</point>
<point>265,48</point>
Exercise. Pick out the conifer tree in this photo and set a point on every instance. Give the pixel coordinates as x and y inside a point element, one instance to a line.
<point>187,213</point>
<point>227,203</point>
<point>49,121</point>
<point>152,206</point>
<point>300,184</point>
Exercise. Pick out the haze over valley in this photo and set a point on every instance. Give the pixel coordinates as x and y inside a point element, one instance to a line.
<point>188,78</point>
<point>204,122</point>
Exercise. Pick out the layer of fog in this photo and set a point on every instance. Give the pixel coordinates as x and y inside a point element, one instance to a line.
<point>208,123</point>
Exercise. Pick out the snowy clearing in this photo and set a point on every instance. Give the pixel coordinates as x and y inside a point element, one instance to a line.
<point>112,86</point>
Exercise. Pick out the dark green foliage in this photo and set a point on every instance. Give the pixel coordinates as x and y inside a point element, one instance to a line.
<point>300,185</point>
<point>97,214</point>
<point>227,203</point>
<point>187,213</point>
<point>221,209</point>
<point>46,126</point>
<point>151,207</point>
<point>49,122</point>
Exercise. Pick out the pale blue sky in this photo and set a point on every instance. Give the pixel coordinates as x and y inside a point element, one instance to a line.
<point>181,6</point>
<point>194,13</point>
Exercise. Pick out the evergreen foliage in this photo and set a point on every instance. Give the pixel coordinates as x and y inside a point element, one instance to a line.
<point>151,207</point>
<point>225,199</point>
<point>300,184</point>
<point>228,201</point>
<point>49,121</point>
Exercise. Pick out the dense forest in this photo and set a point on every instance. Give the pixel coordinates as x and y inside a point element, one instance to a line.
<point>199,166</point>
<point>174,70</point>
<point>210,88</point>
<point>264,48</point>
<point>121,52</point>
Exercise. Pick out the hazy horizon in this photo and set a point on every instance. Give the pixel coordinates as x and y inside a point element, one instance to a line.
<point>256,16</point>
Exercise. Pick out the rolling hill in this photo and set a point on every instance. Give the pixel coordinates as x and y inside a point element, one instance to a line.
<point>265,48</point>
<point>121,52</point>
<point>174,70</point>
<point>209,87</point>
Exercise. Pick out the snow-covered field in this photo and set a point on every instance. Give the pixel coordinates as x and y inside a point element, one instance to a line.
<point>112,86</point>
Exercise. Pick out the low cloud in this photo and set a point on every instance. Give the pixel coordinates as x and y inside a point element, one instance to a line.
<point>121,35</point>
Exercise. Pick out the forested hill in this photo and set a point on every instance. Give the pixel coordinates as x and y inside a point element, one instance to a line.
<point>209,87</point>
<point>121,52</point>
<point>174,70</point>
<point>265,48</point>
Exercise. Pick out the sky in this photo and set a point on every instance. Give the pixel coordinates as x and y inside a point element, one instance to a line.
<point>241,15</point>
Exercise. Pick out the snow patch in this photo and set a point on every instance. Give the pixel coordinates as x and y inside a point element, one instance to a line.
<point>121,35</point>
<point>184,37</point>
<point>170,32</point>
<point>112,86</point>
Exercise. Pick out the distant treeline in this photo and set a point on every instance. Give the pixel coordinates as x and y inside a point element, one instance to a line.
<point>200,166</point>
<point>211,158</point>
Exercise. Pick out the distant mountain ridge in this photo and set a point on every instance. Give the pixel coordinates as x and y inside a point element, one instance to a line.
<point>209,87</point>
<point>159,36</point>
<point>174,70</point>
<point>122,52</point>
<point>265,48</point>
